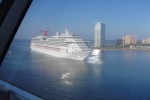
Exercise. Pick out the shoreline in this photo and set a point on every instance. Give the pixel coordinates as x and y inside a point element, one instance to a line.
<point>138,49</point>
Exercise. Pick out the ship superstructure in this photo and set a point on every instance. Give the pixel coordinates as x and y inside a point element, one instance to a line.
<point>64,45</point>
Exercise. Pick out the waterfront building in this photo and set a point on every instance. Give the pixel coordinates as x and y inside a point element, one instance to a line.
<point>146,41</point>
<point>99,35</point>
<point>119,42</point>
<point>123,40</point>
<point>129,40</point>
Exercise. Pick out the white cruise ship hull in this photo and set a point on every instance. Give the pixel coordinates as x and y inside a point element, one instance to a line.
<point>76,56</point>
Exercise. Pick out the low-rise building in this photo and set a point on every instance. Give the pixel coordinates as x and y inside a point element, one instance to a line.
<point>130,40</point>
<point>119,42</point>
<point>146,41</point>
<point>127,40</point>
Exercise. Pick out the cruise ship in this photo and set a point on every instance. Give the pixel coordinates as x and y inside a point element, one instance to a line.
<point>64,45</point>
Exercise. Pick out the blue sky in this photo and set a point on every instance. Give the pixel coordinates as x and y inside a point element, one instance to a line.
<point>79,16</point>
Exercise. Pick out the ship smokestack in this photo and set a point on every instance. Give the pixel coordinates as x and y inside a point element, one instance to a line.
<point>44,33</point>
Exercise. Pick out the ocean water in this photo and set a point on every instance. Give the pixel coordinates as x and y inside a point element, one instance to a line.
<point>121,75</point>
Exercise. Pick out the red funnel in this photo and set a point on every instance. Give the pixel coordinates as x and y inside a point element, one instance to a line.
<point>45,33</point>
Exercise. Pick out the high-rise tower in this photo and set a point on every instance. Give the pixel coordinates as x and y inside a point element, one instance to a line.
<point>99,35</point>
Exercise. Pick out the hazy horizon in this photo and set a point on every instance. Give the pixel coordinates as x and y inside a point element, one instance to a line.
<point>79,16</point>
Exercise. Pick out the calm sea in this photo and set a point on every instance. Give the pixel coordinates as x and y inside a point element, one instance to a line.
<point>121,75</point>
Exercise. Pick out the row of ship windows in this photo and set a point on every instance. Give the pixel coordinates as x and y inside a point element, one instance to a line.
<point>82,46</point>
<point>47,47</point>
<point>62,44</point>
<point>58,49</point>
<point>60,40</point>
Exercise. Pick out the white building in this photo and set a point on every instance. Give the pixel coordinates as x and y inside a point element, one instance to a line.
<point>146,41</point>
<point>99,35</point>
